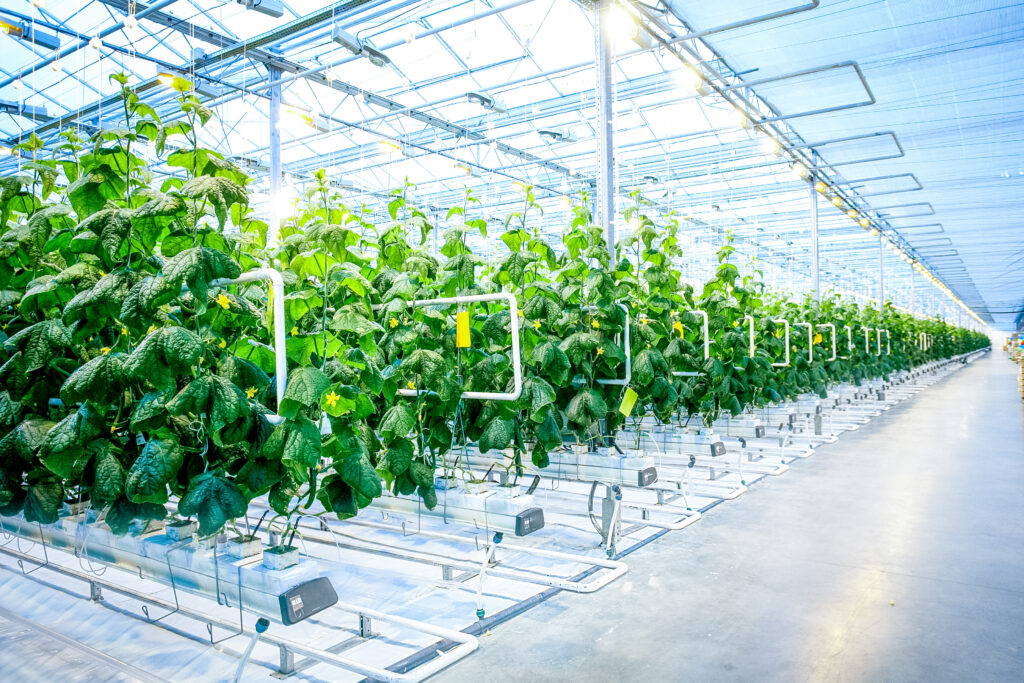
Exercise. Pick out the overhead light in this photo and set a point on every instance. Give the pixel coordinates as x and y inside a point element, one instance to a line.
<point>874,231</point>
<point>692,81</point>
<point>27,111</point>
<point>837,200</point>
<point>467,169</point>
<point>130,22</point>
<point>30,34</point>
<point>359,48</point>
<point>388,147</point>
<point>95,43</point>
<point>771,146</point>
<point>852,213</point>
<point>271,8</point>
<point>17,85</point>
<point>55,64</point>
<point>798,169</point>
<point>486,100</point>
<point>741,119</point>
<point>864,222</point>
<point>298,117</point>
<point>556,135</point>
<point>820,186</point>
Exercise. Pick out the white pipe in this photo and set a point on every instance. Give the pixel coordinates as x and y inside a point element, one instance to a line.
<point>786,324</point>
<point>517,364</point>
<point>277,288</point>
<point>750,326</point>
<point>629,357</point>
<point>867,339</point>
<point>849,339</point>
<point>878,342</point>
<point>810,340</point>
<point>833,329</point>
<point>707,344</point>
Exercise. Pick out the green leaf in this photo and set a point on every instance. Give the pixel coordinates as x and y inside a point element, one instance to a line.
<point>358,473</point>
<point>399,456</point>
<point>578,344</point>
<point>213,500</point>
<point>347,319</point>
<point>112,227</point>
<point>647,364</point>
<point>109,476</point>
<point>199,266</point>
<point>549,432</point>
<point>221,192</point>
<point>101,381</point>
<point>63,448</point>
<point>338,497</point>
<point>429,366</point>
<point>552,362</point>
<point>43,500</point>
<point>164,355</point>
<point>305,386</point>
<point>586,408</point>
<point>139,308</point>
<point>24,440</point>
<point>540,307</point>
<point>122,512</point>
<point>537,396</point>
<point>156,466</point>
<point>40,343</point>
<point>258,476</point>
<point>103,301</point>
<point>496,435</point>
<point>397,423</point>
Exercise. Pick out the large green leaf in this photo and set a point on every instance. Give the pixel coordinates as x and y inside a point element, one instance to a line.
<point>164,355</point>
<point>541,308</point>
<point>109,476</point>
<point>157,464</point>
<point>139,307</point>
<point>358,473</point>
<point>536,397</point>
<point>305,386</point>
<point>43,500</point>
<point>221,192</point>
<point>24,440</point>
<point>552,361</point>
<point>217,397</point>
<point>586,407</point>
<point>578,344</point>
<point>123,511</point>
<point>496,435</point>
<point>112,226</point>
<point>40,343</point>
<point>397,422</point>
<point>199,266</point>
<point>101,380</point>
<point>213,500</point>
<point>647,364</point>
<point>63,449</point>
<point>103,300</point>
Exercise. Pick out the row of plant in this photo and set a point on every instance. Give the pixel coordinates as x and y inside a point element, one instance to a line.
<point>132,374</point>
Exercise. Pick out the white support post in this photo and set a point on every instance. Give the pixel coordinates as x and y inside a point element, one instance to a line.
<point>604,201</point>
<point>275,157</point>
<point>815,265</point>
<point>881,271</point>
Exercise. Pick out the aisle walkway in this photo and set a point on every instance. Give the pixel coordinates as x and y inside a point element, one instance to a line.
<point>924,507</point>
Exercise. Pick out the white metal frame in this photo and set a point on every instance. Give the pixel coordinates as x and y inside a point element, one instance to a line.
<point>832,328</point>
<point>785,323</point>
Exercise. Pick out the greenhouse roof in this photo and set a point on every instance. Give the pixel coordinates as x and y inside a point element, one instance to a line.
<point>908,112</point>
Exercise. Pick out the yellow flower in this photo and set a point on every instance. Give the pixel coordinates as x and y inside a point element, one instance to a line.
<point>600,351</point>
<point>151,330</point>
<point>250,392</point>
<point>648,346</point>
<point>223,301</point>
<point>201,359</point>
<point>536,324</point>
<point>393,323</point>
<point>222,343</point>
<point>105,350</point>
<point>331,399</point>
<point>113,429</point>
<point>295,331</point>
<point>596,325</point>
<point>521,314</point>
<point>124,330</point>
<point>735,323</point>
<point>102,273</point>
<point>817,338</point>
<point>411,385</point>
<point>644,320</point>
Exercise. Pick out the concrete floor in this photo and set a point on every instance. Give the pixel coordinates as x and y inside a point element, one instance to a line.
<point>794,581</point>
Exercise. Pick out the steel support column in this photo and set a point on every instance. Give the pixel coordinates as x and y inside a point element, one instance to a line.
<point>881,270</point>
<point>815,262</point>
<point>604,202</point>
<point>275,157</point>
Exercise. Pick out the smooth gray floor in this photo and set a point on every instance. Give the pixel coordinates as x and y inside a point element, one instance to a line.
<point>924,507</point>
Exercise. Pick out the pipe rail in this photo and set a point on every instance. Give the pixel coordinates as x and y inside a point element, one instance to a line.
<point>786,325</point>
<point>810,340</point>
<point>750,328</point>
<point>831,327</point>
<point>629,357</point>
<point>707,344</point>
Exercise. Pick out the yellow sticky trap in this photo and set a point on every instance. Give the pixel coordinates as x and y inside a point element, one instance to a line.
<point>462,329</point>
<point>628,401</point>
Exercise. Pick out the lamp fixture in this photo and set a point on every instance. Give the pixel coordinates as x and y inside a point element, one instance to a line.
<point>271,8</point>
<point>358,47</point>
<point>486,100</point>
